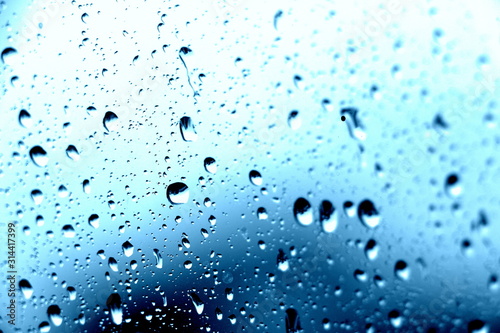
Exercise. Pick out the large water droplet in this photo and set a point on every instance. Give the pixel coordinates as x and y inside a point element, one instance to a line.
<point>37,196</point>
<point>128,249</point>
<point>72,153</point>
<point>303,212</point>
<point>114,303</point>
<point>113,264</point>
<point>39,156</point>
<point>94,220</point>
<point>255,177</point>
<point>401,270</point>
<point>44,327</point>
<point>7,53</point>
<point>210,165</point>
<point>371,249</point>
<point>477,326</point>
<point>187,129</point>
<point>178,193</point>
<point>25,119</point>
<point>26,288</point>
<point>54,313</point>
<point>110,121</point>
<point>368,214</point>
<point>395,319</point>
<point>328,216</point>
<point>68,231</point>
<point>197,302</point>
<point>292,321</point>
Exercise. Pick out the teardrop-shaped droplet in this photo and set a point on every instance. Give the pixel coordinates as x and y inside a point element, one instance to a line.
<point>294,120</point>
<point>54,313</point>
<point>128,249</point>
<point>368,214</point>
<point>187,129</point>
<point>210,165</point>
<point>282,261</point>
<point>72,153</point>
<point>113,264</point>
<point>292,321</point>
<point>7,53</point>
<point>37,196</point>
<point>158,257</point>
<point>255,177</point>
<point>71,293</point>
<point>26,288</point>
<point>94,220</point>
<point>110,121</point>
<point>328,216</point>
<point>68,231</point>
<point>401,270</point>
<point>303,212</point>
<point>39,156</point>
<point>25,119</point>
<point>178,193</point>
<point>197,302</point>
<point>371,249</point>
<point>114,303</point>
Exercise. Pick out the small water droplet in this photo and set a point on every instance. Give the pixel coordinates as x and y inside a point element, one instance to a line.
<point>210,165</point>
<point>72,153</point>
<point>158,258</point>
<point>25,119</point>
<point>328,216</point>
<point>371,249</point>
<point>282,261</point>
<point>26,288</point>
<point>110,121</point>
<point>255,177</point>
<point>187,129</point>
<point>294,120</point>
<point>452,185</point>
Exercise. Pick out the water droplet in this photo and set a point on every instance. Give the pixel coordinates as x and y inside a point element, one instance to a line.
<point>178,193</point>
<point>229,294</point>
<point>255,177</point>
<point>327,105</point>
<point>368,214</point>
<point>210,165</point>
<point>360,275</point>
<point>395,319</point>
<point>292,321</point>
<point>277,16</point>
<point>44,327</point>
<point>401,270</point>
<point>218,314</point>
<point>158,258</point>
<point>371,249</point>
<point>114,303</point>
<point>452,185</point>
<point>84,17</point>
<point>26,288</point>
<point>303,212</point>
<point>68,231</point>
<point>110,121</point>
<point>54,313</point>
<point>86,186</point>
<point>262,245</point>
<point>25,119</point>
<point>113,264</point>
<point>282,261</point>
<point>92,111</point>
<point>197,302</point>
<point>187,129</point>
<point>94,220</point>
<point>72,153</point>
<point>188,264</point>
<point>349,209</point>
<point>71,293</point>
<point>37,196</point>
<point>128,249</point>
<point>262,213</point>
<point>326,324</point>
<point>62,191</point>
<point>328,216</point>
<point>294,120</point>
<point>493,284</point>
<point>7,53</point>
<point>356,129</point>
<point>39,156</point>
<point>477,326</point>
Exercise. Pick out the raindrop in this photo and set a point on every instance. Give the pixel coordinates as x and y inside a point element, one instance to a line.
<point>368,214</point>
<point>360,275</point>
<point>349,209</point>
<point>229,294</point>
<point>327,105</point>
<point>113,264</point>
<point>218,314</point>
<point>262,213</point>
<point>178,193</point>
<point>255,177</point>
<point>7,53</point>
<point>54,313</point>
<point>401,270</point>
<point>84,17</point>
<point>303,212</point>
<point>294,120</point>
<point>71,293</point>
<point>187,129</point>
<point>477,326</point>
<point>92,111</point>
<point>210,165</point>
<point>277,16</point>
<point>44,327</point>
<point>371,249</point>
<point>68,231</point>
<point>37,196</point>
<point>395,319</point>
<point>452,185</point>
<point>72,153</point>
<point>159,259</point>
<point>292,321</point>
<point>94,220</point>
<point>86,186</point>
<point>282,261</point>
<point>188,264</point>
<point>493,284</point>
<point>26,288</point>
<point>25,119</point>
<point>114,303</point>
<point>328,216</point>
<point>39,156</point>
<point>62,191</point>
<point>110,121</point>
<point>197,302</point>
<point>128,249</point>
